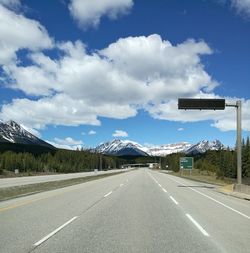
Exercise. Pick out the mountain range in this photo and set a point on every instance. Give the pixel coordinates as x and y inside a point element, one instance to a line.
<point>12,132</point>
<point>126,147</point>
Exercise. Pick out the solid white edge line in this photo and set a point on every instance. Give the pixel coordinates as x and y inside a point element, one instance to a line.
<point>160,185</point>
<point>203,231</point>
<point>215,200</point>
<point>121,185</point>
<point>54,232</point>
<point>106,195</point>
<point>164,190</point>
<point>174,200</point>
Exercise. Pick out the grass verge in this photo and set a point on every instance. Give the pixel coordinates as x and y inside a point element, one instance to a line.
<point>210,179</point>
<point>23,190</point>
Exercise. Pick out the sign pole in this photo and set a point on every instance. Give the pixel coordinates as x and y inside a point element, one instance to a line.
<point>239,170</point>
<point>217,104</point>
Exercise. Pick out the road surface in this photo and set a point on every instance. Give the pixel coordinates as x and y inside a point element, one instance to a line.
<point>138,211</point>
<point>17,181</point>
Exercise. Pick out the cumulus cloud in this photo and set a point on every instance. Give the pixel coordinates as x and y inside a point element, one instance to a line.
<point>88,13</point>
<point>57,110</point>
<point>180,129</point>
<point>91,132</point>
<point>120,133</point>
<point>15,31</point>
<point>242,6</point>
<point>67,143</point>
<point>224,120</point>
<point>133,73</point>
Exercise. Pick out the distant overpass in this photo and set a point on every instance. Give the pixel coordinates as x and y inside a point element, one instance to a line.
<point>140,165</point>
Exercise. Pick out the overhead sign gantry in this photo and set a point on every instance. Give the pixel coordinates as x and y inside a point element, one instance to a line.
<point>216,104</point>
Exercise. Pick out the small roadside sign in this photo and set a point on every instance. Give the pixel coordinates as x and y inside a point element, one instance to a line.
<point>186,163</point>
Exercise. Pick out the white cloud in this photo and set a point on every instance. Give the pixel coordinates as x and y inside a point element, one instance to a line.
<point>13,4</point>
<point>88,13</point>
<point>67,143</point>
<point>15,34</point>
<point>242,6</point>
<point>121,86</point>
<point>57,110</point>
<point>224,120</point>
<point>164,69</point>
<point>180,129</point>
<point>133,73</point>
<point>120,133</point>
<point>91,132</point>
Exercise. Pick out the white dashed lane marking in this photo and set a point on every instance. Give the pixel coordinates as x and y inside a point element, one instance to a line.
<point>172,198</point>
<point>203,231</point>
<point>45,238</point>
<point>106,195</point>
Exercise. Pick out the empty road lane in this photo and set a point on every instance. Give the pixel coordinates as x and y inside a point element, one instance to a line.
<point>17,181</point>
<point>138,211</point>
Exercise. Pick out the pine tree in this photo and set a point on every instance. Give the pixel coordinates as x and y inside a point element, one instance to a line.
<point>247,158</point>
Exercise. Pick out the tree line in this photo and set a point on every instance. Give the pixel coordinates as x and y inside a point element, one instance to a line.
<point>221,162</point>
<point>61,161</point>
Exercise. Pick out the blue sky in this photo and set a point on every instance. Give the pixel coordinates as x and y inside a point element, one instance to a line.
<point>77,73</point>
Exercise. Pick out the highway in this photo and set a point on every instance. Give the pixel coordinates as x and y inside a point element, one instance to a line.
<point>18,181</point>
<point>138,211</point>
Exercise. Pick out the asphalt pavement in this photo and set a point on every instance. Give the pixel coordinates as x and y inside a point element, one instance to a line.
<point>18,181</point>
<point>137,211</point>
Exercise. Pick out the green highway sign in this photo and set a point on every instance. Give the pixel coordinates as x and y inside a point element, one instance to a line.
<point>186,163</point>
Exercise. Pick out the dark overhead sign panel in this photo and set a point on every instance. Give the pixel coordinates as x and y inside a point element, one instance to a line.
<point>201,104</point>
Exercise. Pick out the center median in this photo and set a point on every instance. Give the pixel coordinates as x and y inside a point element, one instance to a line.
<point>23,190</point>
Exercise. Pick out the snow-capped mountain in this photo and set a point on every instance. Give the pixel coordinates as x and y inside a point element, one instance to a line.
<point>12,132</point>
<point>121,147</point>
<point>126,147</point>
<point>203,146</point>
<point>167,149</point>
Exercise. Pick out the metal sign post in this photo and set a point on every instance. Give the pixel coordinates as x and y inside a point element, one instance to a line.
<point>238,142</point>
<point>217,104</point>
<point>239,172</point>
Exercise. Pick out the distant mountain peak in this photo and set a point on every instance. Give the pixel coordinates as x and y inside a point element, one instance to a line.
<point>13,124</point>
<point>121,147</point>
<point>12,132</point>
<point>205,145</point>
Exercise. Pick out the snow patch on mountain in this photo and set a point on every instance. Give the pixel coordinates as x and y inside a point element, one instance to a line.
<point>203,146</point>
<point>127,147</point>
<point>166,149</point>
<point>121,147</point>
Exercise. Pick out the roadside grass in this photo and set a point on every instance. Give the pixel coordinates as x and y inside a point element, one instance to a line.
<point>23,190</point>
<point>204,177</point>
